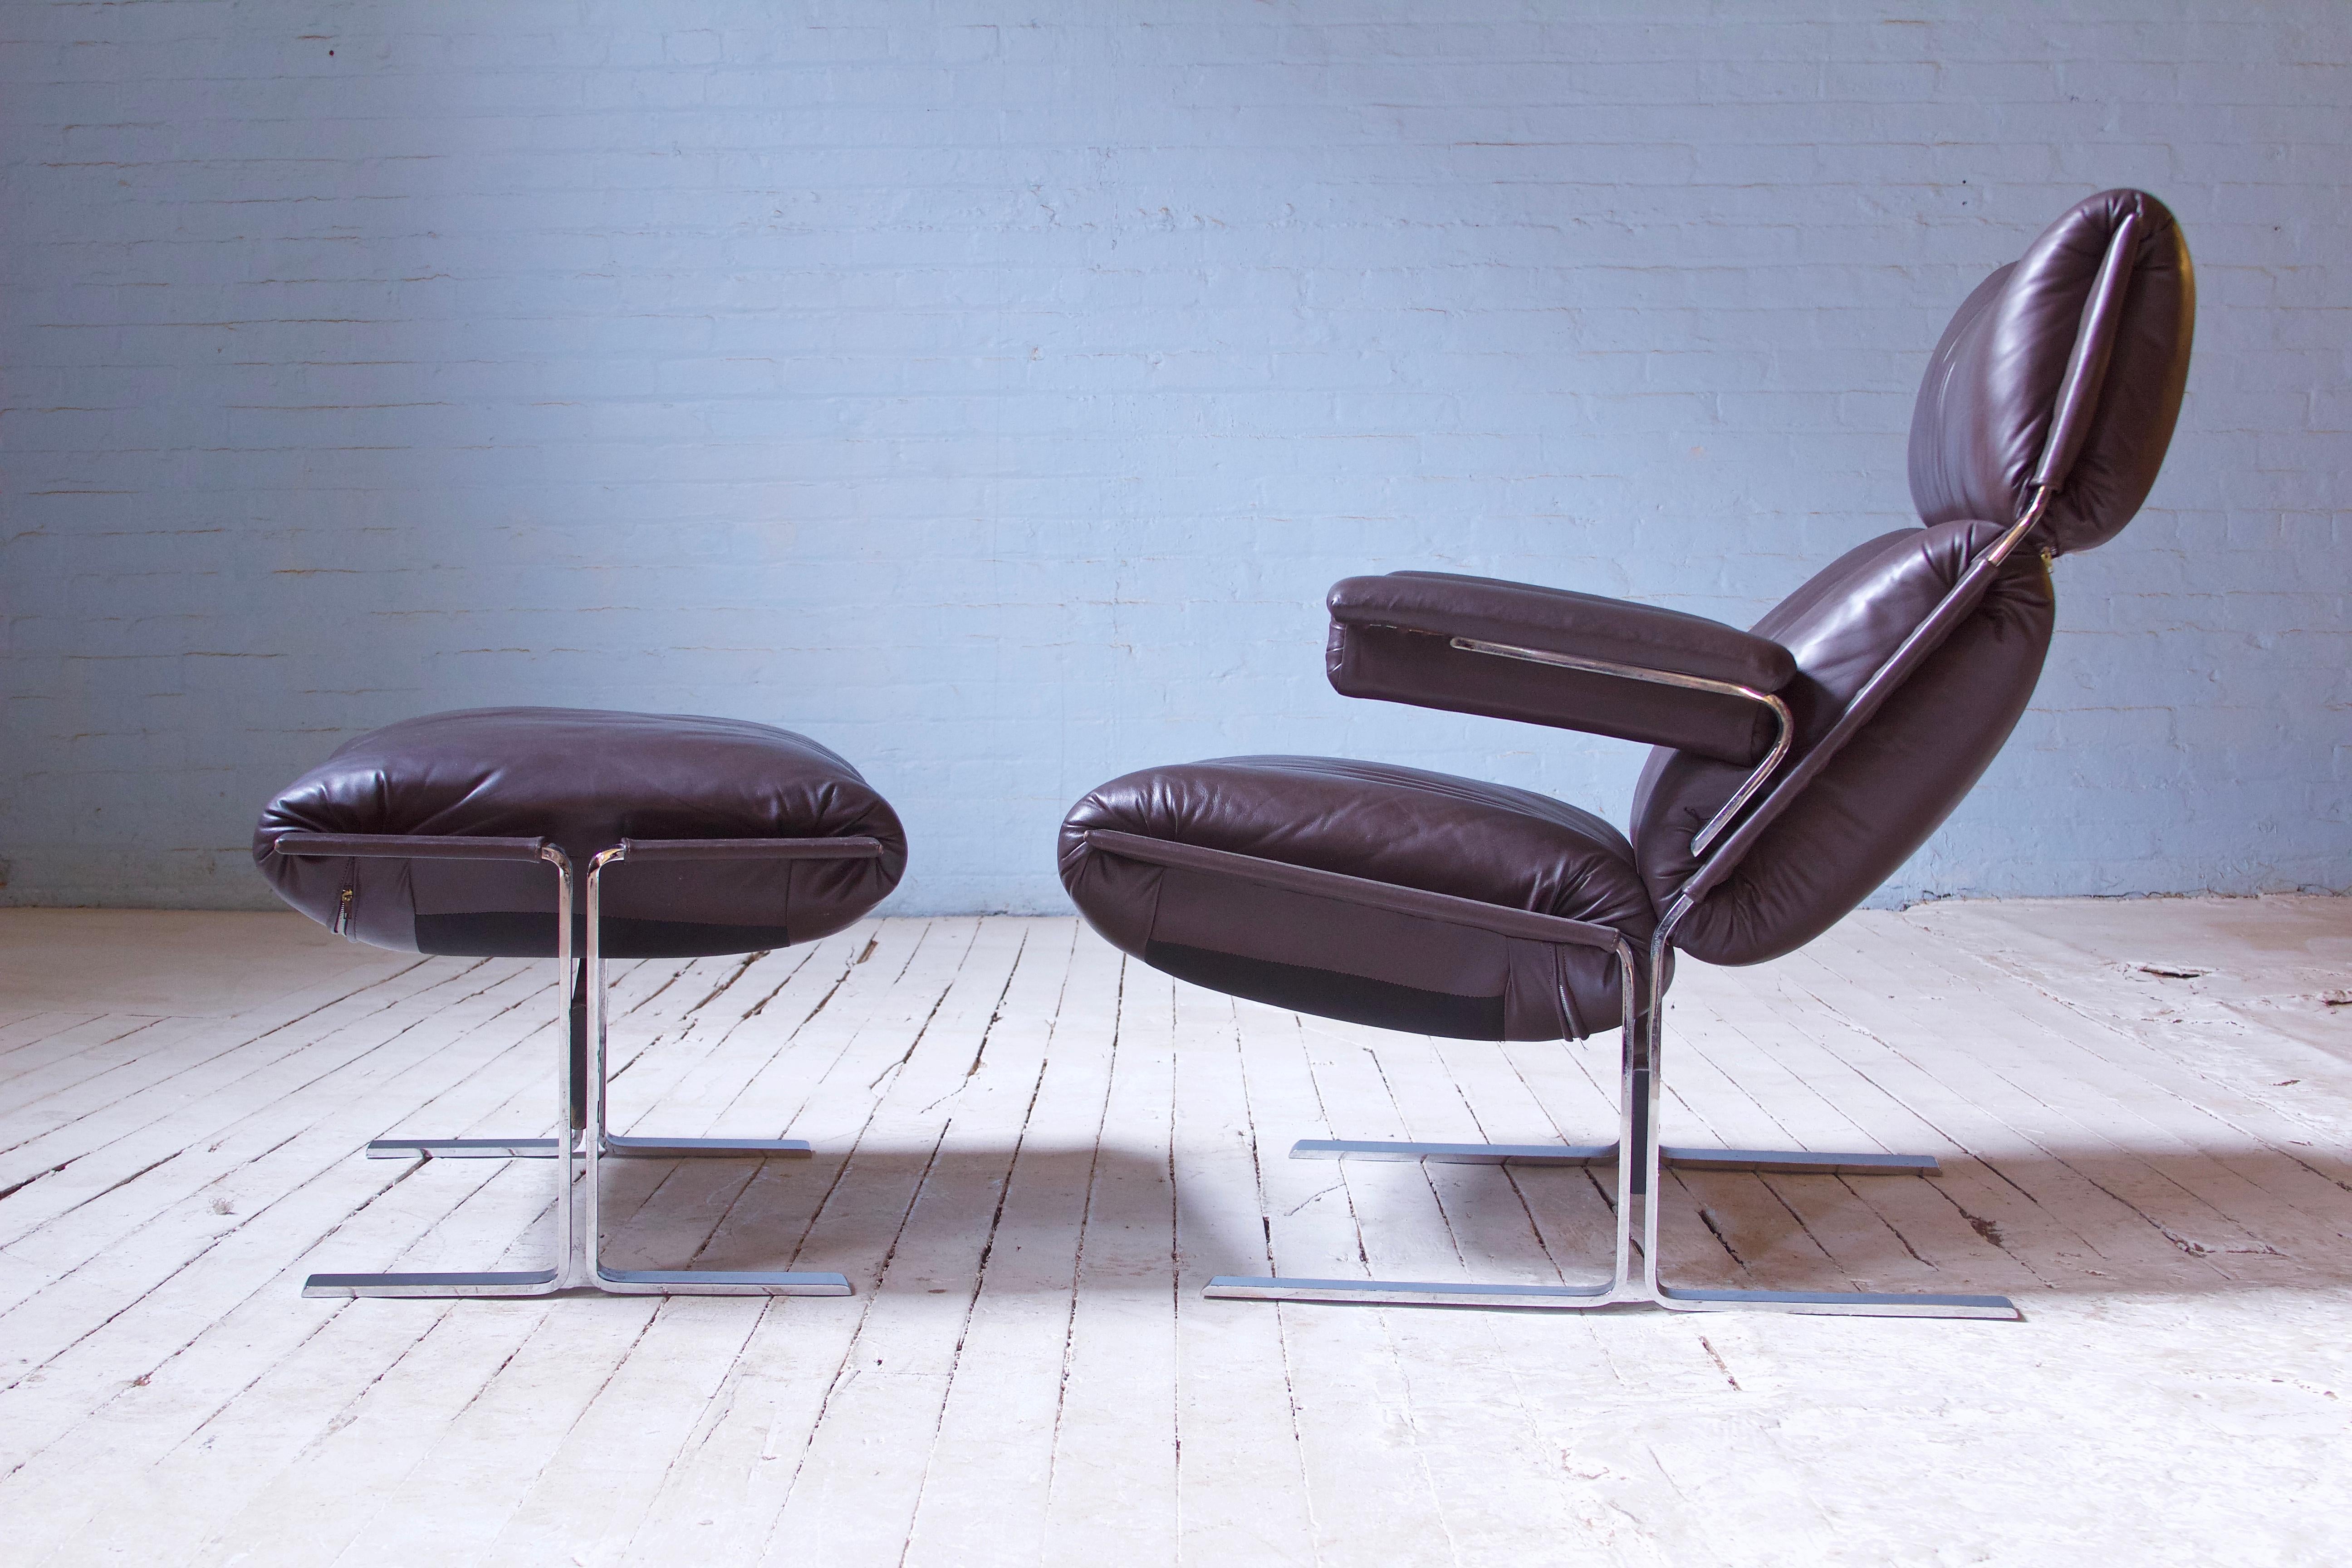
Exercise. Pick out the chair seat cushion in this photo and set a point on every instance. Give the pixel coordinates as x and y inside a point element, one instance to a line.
<point>585,780</point>
<point>1337,958</point>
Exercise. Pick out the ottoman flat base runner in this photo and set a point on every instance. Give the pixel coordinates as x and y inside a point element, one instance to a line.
<point>615,1147</point>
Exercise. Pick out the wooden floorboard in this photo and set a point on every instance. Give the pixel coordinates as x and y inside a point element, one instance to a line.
<point>1030,1155</point>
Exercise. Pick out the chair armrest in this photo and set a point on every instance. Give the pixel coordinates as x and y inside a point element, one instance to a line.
<point>1545,656</point>
<point>1555,620</point>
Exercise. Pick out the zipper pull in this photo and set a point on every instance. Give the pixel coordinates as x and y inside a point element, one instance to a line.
<point>343,912</point>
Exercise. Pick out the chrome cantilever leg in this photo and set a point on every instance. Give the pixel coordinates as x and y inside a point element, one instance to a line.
<point>1633,1282</point>
<point>1619,1287</point>
<point>522,1282</point>
<point>599,1143</point>
<point>1813,1303</point>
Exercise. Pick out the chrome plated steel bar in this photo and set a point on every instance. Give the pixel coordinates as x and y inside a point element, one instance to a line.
<point>658,1281</point>
<point>1784,735</point>
<point>1799,1162</point>
<point>1457,1153</point>
<point>617,1147</point>
<point>462,1148</point>
<point>1789,1162</point>
<point>524,1282</point>
<point>1412,1293</point>
<point>577,1265</point>
<point>1840,1304</point>
<point>1641,1160</point>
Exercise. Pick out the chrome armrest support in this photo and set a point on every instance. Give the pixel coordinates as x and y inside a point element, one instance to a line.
<point>1784,738</point>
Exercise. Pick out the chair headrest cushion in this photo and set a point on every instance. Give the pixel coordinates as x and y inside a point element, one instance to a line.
<point>2063,367</point>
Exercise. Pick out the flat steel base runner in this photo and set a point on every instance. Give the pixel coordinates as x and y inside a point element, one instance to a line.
<point>1640,1161</point>
<point>1785,1161</point>
<point>716,1282</point>
<point>1457,1153</point>
<point>1411,1293</point>
<point>615,1147</point>
<point>608,1282</point>
<point>1587,1297</point>
<point>510,1282</point>
<point>461,1148</point>
<point>1635,1284</point>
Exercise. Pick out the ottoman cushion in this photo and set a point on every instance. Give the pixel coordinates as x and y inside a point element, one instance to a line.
<point>584,780</point>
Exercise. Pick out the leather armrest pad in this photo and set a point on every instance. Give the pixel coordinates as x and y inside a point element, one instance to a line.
<point>1555,620</point>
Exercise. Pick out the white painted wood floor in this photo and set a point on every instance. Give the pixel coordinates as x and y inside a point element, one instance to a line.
<point>1031,1155</point>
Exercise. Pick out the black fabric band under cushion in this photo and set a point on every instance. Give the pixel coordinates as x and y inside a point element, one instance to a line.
<point>1331,995</point>
<point>527,935</point>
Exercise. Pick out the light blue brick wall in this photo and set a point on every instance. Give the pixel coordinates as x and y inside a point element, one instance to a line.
<point>993,394</point>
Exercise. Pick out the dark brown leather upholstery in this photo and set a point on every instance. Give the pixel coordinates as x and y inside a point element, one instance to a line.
<point>1991,397</point>
<point>1391,638</point>
<point>1397,825</point>
<point>1895,781</point>
<point>585,780</point>
<point>1557,621</point>
<point>2064,371</point>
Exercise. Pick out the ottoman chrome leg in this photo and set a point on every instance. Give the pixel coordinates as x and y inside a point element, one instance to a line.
<point>614,1145</point>
<point>577,1266</point>
<point>493,1283</point>
<point>581,1138</point>
<point>600,1143</point>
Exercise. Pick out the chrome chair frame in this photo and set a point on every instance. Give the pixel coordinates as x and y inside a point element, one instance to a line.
<point>1637,1153</point>
<point>577,1266</point>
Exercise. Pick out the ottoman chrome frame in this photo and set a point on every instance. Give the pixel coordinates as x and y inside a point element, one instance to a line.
<point>577,1266</point>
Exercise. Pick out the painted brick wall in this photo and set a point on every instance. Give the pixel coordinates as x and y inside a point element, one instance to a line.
<point>993,394</point>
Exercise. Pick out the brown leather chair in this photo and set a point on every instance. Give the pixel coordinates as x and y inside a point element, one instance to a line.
<point>1798,763</point>
<point>700,836</point>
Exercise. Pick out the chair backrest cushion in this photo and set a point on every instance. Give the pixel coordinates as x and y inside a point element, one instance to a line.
<point>1895,781</point>
<point>2062,340</point>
